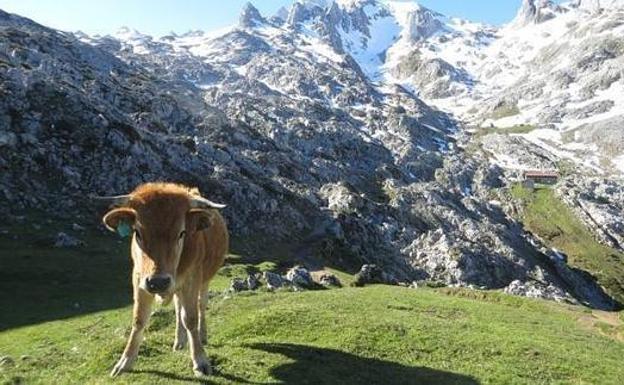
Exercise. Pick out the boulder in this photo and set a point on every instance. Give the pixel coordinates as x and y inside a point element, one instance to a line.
<point>326,279</point>
<point>273,280</point>
<point>66,240</point>
<point>371,273</point>
<point>300,276</point>
<point>238,285</point>
<point>252,282</point>
<point>534,289</point>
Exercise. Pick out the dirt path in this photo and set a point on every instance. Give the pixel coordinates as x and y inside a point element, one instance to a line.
<point>606,323</point>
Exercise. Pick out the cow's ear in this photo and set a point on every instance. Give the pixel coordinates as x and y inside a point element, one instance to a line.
<point>120,220</point>
<point>200,219</point>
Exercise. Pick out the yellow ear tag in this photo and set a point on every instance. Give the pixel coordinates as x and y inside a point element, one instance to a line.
<point>123,229</point>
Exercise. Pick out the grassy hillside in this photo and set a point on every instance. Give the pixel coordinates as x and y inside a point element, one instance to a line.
<point>375,335</point>
<point>547,216</point>
<point>66,314</point>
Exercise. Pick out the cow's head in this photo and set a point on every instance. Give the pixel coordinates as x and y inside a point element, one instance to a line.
<point>162,218</point>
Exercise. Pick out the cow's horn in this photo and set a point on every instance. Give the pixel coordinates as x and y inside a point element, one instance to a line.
<point>202,203</point>
<point>116,200</point>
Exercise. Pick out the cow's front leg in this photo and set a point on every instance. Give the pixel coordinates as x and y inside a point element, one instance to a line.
<point>203,302</point>
<point>189,300</point>
<point>141,313</point>
<point>180,331</point>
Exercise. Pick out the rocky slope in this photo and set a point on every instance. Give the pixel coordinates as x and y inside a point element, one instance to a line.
<point>286,120</point>
<point>599,203</point>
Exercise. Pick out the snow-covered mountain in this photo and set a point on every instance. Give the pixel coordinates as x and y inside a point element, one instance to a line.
<point>557,67</point>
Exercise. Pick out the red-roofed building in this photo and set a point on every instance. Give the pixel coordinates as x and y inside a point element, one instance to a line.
<point>531,177</point>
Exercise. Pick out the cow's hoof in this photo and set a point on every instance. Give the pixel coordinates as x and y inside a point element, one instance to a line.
<point>202,368</point>
<point>179,345</point>
<point>123,365</point>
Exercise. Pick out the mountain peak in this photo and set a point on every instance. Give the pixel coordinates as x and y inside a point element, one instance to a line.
<point>126,33</point>
<point>305,9</point>
<point>535,12</point>
<point>250,16</point>
<point>420,22</point>
<point>281,15</point>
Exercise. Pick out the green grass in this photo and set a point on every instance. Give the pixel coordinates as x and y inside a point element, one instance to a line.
<point>374,335</point>
<point>547,216</point>
<point>371,335</point>
<point>505,111</point>
<point>519,129</point>
<point>57,283</point>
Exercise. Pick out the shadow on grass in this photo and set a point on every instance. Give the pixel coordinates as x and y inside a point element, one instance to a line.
<point>40,283</point>
<point>314,365</point>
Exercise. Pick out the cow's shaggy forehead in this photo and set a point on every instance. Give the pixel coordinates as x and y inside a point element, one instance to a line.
<point>161,206</point>
<point>149,191</point>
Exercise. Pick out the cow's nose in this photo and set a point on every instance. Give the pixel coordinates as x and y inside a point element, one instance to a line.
<point>157,283</point>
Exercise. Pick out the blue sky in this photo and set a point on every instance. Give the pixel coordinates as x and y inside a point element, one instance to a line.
<point>159,17</point>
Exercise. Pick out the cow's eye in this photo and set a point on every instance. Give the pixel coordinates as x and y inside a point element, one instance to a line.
<point>182,234</point>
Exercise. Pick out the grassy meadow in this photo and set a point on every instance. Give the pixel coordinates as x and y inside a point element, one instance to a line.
<point>66,314</point>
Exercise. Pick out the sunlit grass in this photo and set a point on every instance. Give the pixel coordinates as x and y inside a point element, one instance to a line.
<point>371,335</point>
<point>374,335</point>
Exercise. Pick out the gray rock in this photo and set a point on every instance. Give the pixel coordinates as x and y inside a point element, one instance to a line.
<point>370,274</point>
<point>326,279</point>
<point>252,282</point>
<point>250,17</point>
<point>8,139</point>
<point>238,285</point>
<point>273,280</point>
<point>300,276</point>
<point>535,12</point>
<point>534,289</point>
<point>66,240</point>
<point>77,227</point>
<point>599,203</point>
<point>339,198</point>
<point>591,109</point>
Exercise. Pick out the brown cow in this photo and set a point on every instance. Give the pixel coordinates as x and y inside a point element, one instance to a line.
<point>179,242</point>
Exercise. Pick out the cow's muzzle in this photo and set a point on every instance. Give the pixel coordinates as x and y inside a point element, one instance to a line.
<point>158,283</point>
